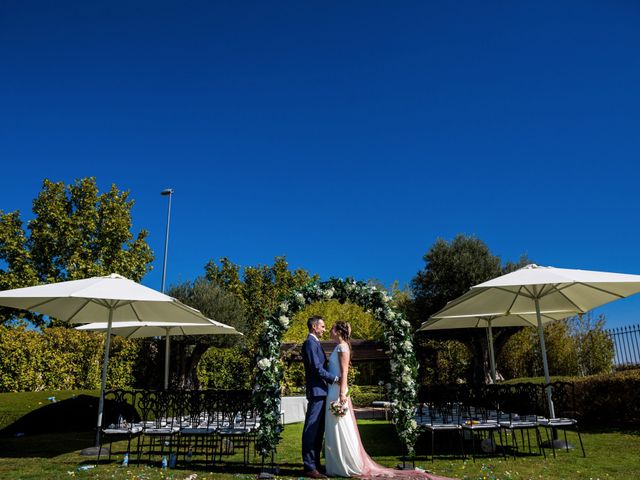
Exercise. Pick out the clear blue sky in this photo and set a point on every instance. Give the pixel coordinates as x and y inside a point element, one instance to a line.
<point>347,136</point>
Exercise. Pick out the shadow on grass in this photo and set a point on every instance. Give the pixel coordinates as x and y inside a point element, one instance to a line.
<point>46,445</point>
<point>634,430</point>
<point>77,414</point>
<point>380,439</point>
<point>56,428</point>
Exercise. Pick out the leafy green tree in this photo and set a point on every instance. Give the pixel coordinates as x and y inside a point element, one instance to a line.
<point>560,346</point>
<point>226,368</point>
<point>576,346</point>
<point>258,288</point>
<point>76,232</point>
<point>187,351</point>
<point>451,268</point>
<point>595,348</point>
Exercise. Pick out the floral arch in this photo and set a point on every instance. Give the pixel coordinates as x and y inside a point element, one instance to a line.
<point>397,336</point>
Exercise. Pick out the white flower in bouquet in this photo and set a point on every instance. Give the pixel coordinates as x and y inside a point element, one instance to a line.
<point>300,298</point>
<point>264,363</point>
<point>284,320</point>
<point>284,306</point>
<point>338,408</point>
<point>329,292</point>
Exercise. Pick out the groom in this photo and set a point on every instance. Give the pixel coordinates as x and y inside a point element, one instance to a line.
<point>316,379</point>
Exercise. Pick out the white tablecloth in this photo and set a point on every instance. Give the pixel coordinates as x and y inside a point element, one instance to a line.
<point>293,409</point>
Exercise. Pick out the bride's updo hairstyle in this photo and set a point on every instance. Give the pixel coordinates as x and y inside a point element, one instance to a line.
<point>344,330</point>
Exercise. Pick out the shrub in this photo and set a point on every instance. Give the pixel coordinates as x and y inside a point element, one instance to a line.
<point>364,395</point>
<point>575,346</point>
<point>600,400</point>
<point>225,368</point>
<point>60,358</point>
<point>607,399</point>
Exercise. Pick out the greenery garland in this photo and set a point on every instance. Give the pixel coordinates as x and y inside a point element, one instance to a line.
<point>397,336</point>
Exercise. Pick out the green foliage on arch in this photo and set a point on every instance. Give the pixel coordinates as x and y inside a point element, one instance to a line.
<point>397,336</point>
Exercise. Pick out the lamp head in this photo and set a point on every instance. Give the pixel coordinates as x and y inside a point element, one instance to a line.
<point>166,191</point>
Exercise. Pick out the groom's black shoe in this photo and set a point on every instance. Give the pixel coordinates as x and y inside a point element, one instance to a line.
<point>314,474</point>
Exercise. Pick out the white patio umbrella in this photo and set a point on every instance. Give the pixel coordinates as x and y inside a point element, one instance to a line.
<point>488,322</point>
<point>542,290</point>
<point>162,329</point>
<point>111,298</point>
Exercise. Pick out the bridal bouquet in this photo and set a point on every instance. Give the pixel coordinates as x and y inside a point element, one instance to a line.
<point>338,408</point>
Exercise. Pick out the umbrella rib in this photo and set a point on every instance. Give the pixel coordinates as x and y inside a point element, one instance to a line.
<point>135,330</point>
<point>33,307</point>
<point>515,297</point>
<point>473,292</point>
<point>563,295</point>
<point>135,312</point>
<point>79,310</point>
<point>186,308</point>
<point>600,290</point>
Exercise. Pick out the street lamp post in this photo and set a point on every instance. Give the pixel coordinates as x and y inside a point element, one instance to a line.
<point>166,192</point>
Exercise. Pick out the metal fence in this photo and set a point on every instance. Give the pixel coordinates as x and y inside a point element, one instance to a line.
<point>626,342</point>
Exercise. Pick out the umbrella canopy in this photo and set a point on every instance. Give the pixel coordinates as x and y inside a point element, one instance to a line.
<point>101,299</point>
<point>92,299</point>
<point>555,290</point>
<point>162,329</point>
<point>542,290</point>
<point>488,322</point>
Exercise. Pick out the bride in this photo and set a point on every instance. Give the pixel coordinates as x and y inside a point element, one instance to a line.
<point>343,450</point>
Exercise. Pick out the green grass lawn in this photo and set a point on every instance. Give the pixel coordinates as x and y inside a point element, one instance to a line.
<point>610,454</point>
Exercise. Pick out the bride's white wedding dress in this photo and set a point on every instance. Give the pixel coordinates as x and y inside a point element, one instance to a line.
<point>343,450</point>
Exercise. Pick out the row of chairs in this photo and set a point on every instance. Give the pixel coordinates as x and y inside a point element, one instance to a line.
<point>189,424</point>
<point>483,424</point>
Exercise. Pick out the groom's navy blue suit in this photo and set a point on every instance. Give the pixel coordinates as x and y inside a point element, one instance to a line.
<point>316,378</point>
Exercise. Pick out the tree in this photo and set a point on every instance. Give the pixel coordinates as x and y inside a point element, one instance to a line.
<point>259,288</point>
<point>576,346</point>
<point>215,303</point>
<point>595,348</point>
<point>76,233</point>
<point>451,268</point>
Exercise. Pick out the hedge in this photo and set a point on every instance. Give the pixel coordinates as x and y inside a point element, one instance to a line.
<point>60,358</point>
<point>599,400</point>
<point>609,399</point>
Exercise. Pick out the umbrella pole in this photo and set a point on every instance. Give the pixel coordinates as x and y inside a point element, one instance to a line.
<point>103,384</point>
<point>547,378</point>
<point>492,358</point>
<point>167,349</point>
